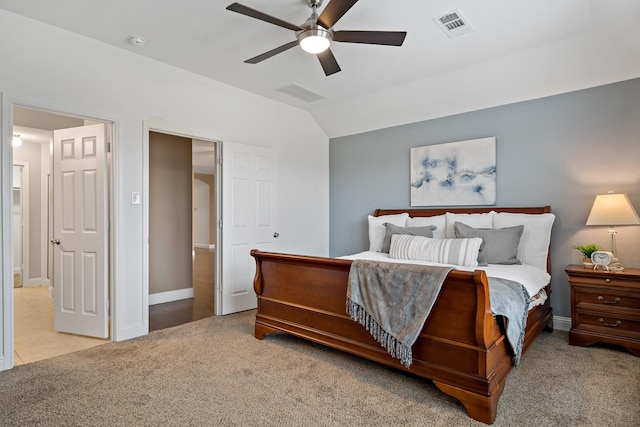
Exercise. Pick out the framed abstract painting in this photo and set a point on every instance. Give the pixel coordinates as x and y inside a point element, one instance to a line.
<point>455,173</point>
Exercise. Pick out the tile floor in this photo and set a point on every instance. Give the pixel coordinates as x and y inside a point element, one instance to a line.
<point>34,336</point>
<point>36,340</point>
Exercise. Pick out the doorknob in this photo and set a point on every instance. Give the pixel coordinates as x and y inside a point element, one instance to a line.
<point>276,235</point>
<point>56,241</point>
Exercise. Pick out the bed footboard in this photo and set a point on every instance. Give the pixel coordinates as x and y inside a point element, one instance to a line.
<point>461,348</point>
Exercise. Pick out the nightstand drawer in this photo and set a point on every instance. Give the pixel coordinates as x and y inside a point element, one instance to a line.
<point>605,280</point>
<point>612,324</point>
<point>606,298</point>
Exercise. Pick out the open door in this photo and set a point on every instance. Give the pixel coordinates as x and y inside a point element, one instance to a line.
<point>248,219</point>
<point>79,231</point>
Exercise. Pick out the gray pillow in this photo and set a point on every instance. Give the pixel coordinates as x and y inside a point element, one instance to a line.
<point>392,229</point>
<point>499,246</point>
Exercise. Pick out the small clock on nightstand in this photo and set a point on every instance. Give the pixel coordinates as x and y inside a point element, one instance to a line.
<point>605,306</point>
<point>605,259</point>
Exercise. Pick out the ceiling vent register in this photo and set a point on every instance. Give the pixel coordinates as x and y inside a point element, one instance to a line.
<point>453,23</point>
<point>301,93</point>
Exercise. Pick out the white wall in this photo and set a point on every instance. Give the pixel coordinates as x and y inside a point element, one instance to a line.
<point>47,67</point>
<point>587,60</point>
<point>31,154</point>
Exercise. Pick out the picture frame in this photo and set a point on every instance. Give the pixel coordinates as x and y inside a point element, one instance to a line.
<point>461,173</point>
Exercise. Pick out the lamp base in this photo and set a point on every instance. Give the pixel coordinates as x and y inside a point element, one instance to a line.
<point>613,267</point>
<point>616,266</point>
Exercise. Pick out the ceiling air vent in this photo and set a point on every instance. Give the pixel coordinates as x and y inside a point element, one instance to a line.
<point>453,23</point>
<point>301,93</point>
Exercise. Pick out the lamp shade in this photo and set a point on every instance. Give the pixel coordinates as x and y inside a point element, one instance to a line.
<point>613,209</point>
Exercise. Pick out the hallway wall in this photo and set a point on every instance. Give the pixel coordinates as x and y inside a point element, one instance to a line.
<point>31,153</point>
<point>170,213</point>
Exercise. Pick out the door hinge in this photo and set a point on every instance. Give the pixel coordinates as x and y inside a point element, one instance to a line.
<point>107,147</point>
<point>220,224</point>
<point>220,160</point>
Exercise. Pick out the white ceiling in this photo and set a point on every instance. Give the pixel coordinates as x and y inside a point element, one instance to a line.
<point>202,37</point>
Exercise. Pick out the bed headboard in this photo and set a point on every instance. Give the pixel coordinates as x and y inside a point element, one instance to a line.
<point>426,212</point>
<point>439,211</point>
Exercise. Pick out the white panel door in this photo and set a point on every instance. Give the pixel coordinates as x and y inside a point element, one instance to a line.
<point>79,231</point>
<point>248,219</point>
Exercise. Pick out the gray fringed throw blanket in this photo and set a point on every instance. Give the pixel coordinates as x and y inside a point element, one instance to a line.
<point>392,301</point>
<point>510,300</point>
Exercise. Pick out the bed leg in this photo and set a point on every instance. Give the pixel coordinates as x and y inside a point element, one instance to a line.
<point>549,326</point>
<point>261,330</point>
<point>480,408</point>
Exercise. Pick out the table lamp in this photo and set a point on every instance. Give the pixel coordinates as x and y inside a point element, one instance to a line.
<point>613,209</point>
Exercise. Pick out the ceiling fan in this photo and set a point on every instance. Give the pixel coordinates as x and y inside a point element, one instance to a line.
<point>316,33</point>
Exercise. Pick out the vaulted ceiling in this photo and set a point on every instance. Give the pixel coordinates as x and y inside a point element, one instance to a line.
<point>516,50</point>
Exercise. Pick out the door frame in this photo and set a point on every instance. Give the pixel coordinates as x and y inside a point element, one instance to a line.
<point>6,232</point>
<point>151,126</point>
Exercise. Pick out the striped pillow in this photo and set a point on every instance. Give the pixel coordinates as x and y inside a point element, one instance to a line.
<point>462,252</point>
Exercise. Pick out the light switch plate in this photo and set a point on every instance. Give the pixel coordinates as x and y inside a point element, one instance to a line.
<point>135,198</point>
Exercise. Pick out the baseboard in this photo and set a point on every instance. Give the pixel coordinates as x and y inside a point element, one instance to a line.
<point>561,323</point>
<point>169,296</point>
<point>32,283</point>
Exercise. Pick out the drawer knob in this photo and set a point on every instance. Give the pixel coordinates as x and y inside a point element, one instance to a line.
<point>604,301</point>
<point>613,325</point>
<point>607,280</point>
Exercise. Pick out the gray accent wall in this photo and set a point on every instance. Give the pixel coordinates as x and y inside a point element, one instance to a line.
<point>560,151</point>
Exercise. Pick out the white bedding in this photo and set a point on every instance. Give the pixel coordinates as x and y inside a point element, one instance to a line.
<point>532,278</point>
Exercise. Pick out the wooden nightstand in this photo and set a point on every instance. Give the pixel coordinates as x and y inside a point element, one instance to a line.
<point>605,307</point>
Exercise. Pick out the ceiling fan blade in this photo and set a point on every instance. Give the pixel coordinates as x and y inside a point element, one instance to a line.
<point>334,11</point>
<point>328,62</point>
<point>389,38</point>
<point>271,53</point>
<point>245,10</point>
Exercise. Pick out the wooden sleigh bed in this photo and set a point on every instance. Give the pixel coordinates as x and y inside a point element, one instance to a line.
<point>461,348</point>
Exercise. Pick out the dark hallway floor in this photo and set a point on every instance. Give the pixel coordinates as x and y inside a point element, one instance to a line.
<point>175,313</point>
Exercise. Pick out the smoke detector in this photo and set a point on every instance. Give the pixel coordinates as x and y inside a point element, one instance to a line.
<point>453,23</point>
<point>137,40</point>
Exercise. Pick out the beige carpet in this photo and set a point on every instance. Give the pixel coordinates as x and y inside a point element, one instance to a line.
<point>213,372</point>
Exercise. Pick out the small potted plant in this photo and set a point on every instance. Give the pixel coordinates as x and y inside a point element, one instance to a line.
<point>586,251</point>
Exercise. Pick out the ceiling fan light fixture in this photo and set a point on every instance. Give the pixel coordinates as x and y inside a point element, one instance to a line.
<point>314,40</point>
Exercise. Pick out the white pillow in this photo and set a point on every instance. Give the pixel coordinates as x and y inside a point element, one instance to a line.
<point>463,252</point>
<point>534,242</point>
<point>422,221</point>
<point>377,229</point>
<point>476,220</point>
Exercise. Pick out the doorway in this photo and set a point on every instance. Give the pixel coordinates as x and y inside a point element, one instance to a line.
<point>182,229</point>
<point>19,214</point>
<point>33,322</point>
